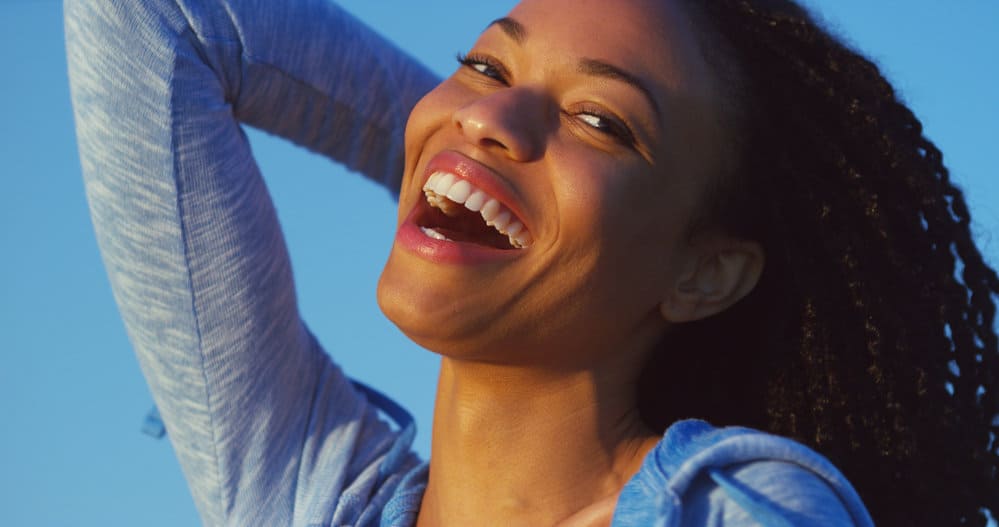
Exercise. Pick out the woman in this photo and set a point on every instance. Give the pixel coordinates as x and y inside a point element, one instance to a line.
<point>729,218</point>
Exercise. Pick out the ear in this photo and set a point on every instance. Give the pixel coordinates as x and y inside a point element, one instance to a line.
<point>718,274</point>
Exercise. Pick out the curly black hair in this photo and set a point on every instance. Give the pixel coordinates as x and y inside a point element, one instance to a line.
<point>871,335</point>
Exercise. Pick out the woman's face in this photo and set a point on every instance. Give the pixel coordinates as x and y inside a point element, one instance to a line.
<point>592,125</point>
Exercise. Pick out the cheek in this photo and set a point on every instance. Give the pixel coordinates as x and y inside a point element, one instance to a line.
<point>625,223</point>
<point>432,112</point>
<point>423,118</point>
<point>619,203</point>
<point>429,115</point>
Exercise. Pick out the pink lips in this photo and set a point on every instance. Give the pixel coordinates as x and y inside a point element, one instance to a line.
<point>412,238</point>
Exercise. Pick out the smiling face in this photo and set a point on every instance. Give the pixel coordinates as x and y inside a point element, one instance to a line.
<point>594,129</point>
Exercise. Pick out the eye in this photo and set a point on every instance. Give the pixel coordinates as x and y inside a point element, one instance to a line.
<point>606,125</point>
<point>485,66</point>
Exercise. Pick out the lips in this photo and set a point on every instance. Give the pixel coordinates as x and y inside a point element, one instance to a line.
<point>468,215</point>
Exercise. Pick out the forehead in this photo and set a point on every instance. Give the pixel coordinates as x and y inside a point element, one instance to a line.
<point>652,39</point>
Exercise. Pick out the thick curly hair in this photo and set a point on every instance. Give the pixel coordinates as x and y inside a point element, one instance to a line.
<point>870,336</point>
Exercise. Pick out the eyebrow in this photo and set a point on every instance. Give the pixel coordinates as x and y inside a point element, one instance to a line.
<point>512,28</point>
<point>598,68</point>
<point>593,67</point>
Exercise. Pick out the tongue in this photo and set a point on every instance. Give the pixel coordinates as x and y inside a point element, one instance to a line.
<point>493,239</point>
<point>467,227</point>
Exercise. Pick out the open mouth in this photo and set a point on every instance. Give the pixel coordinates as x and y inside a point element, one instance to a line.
<point>459,211</point>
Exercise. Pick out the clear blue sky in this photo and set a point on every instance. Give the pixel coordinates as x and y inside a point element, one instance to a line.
<point>71,395</point>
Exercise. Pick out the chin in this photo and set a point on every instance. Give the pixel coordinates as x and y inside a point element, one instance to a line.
<point>428,314</point>
<point>423,310</point>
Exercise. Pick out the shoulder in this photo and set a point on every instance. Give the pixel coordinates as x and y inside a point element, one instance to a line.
<point>771,493</point>
<point>702,475</point>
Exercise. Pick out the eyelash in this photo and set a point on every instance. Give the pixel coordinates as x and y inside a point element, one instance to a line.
<point>493,69</point>
<point>609,126</point>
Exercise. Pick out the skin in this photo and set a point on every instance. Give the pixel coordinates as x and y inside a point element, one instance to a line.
<point>536,421</point>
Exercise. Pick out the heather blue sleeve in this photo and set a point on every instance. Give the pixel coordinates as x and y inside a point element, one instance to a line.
<point>266,428</point>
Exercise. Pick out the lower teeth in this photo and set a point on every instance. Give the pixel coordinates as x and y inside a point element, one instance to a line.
<point>434,234</point>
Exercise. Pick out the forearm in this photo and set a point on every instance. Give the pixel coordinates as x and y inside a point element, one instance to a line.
<point>334,86</point>
<point>189,235</point>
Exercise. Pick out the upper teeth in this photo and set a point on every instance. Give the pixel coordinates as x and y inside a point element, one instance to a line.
<point>447,192</point>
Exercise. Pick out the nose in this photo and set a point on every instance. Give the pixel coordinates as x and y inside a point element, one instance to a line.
<point>513,120</point>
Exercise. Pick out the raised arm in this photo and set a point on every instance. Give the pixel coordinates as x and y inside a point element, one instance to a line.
<point>267,430</point>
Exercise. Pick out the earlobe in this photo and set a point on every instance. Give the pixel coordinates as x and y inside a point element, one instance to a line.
<point>722,275</point>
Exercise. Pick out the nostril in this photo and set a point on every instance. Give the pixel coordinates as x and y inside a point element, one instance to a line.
<point>488,142</point>
<point>505,122</point>
<point>476,130</point>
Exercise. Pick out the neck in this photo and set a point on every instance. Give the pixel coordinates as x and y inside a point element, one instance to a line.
<point>521,447</point>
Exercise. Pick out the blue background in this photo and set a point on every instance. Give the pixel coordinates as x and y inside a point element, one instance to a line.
<point>71,395</point>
